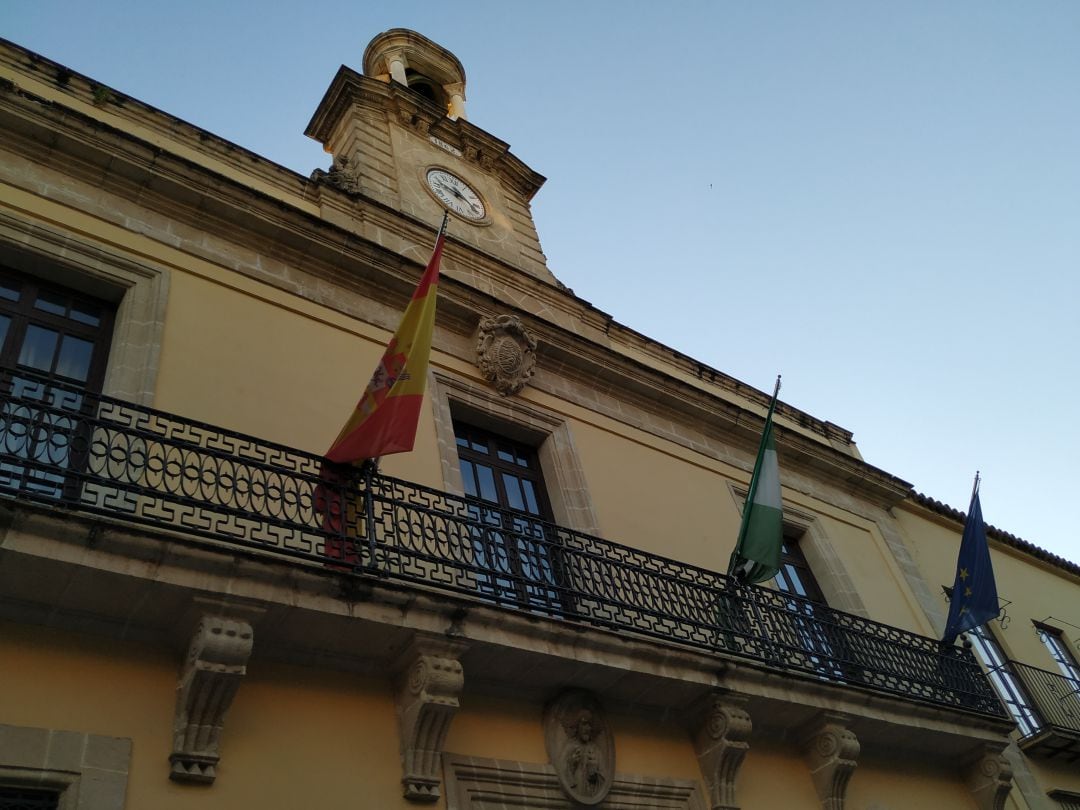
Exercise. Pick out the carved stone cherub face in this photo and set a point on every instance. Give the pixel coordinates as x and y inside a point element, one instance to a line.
<point>583,727</point>
<point>580,746</point>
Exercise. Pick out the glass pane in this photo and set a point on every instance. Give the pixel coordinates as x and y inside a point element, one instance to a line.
<point>52,303</point>
<point>74,359</point>
<point>85,313</point>
<point>480,447</point>
<point>9,289</point>
<point>513,492</point>
<point>5,322</point>
<point>462,441</point>
<point>796,582</point>
<point>39,347</point>
<point>468,477</point>
<point>487,483</point>
<point>506,455</point>
<point>531,504</point>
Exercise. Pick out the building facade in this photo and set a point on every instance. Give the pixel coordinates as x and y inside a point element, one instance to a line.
<point>529,609</point>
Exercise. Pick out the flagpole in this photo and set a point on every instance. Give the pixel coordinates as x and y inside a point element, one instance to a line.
<point>974,491</point>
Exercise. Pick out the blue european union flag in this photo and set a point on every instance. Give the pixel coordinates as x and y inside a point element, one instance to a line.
<point>974,597</point>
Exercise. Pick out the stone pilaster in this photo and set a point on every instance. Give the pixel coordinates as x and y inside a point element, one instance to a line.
<point>721,729</point>
<point>990,778</point>
<point>831,750</point>
<point>215,664</point>
<point>429,686</point>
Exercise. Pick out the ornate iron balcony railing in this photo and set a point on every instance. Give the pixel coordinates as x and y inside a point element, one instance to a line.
<point>1056,699</point>
<point>64,446</point>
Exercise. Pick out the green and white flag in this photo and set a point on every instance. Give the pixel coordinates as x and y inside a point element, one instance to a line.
<point>756,557</point>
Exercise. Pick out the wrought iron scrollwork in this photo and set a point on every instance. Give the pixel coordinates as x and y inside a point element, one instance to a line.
<point>106,456</point>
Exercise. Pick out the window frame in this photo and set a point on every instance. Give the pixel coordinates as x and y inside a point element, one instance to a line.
<point>24,313</point>
<point>526,568</point>
<point>1055,642</point>
<point>1008,686</point>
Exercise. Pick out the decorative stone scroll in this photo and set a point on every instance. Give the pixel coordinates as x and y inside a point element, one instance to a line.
<point>429,687</point>
<point>831,750</point>
<point>505,353</point>
<point>580,746</point>
<point>343,176</point>
<point>990,778</point>
<point>216,663</point>
<point>720,742</point>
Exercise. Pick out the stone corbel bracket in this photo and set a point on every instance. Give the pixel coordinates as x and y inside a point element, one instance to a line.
<point>832,751</point>
<point>429,687</point>
<point>990,778</point>
<point>721,729</point>
<point>215,664</point>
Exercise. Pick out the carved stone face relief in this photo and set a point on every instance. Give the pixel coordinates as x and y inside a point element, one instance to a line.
<point>505,353</point>
<point>580,746</point>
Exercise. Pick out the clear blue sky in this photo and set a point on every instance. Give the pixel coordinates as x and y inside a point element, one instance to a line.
<point>881,201</point>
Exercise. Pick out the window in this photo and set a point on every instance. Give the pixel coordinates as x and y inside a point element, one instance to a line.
<point>46,334</point>
<point>1005,682</point>
<point>807,629</point>
<point>795,575</point>
<point>21,798</point>
<point>518,562</point>
<point>1051,637</point>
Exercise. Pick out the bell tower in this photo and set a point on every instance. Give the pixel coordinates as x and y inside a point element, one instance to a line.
<point>400,138</point>
<point>413,60</point>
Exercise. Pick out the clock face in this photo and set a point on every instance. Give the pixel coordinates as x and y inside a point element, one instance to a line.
<point>456,195</point>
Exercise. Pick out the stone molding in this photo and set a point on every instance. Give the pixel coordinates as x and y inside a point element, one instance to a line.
<point>429,686</point>
<point>87,771</point>
<point>350,92</point>
<point>580,745</point>
<point>216,663</point>
<point>990,778</point>
<point>831,750</point>
<point>505,353</point>
<point>140,286</point>
<point>721,737</point>
<point>564,475</point>
<point>695,407</point>
<point>476,782</point>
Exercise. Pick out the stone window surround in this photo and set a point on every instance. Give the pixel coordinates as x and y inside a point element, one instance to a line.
<point>89,771</point>
<point>829,570</point>
<point>525,422</point>
<point>139,289</point>
<point>476,781</point>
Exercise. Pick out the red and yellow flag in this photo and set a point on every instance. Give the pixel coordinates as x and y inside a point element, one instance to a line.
<point>385,419</point>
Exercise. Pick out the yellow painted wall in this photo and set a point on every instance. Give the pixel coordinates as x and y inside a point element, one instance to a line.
<point>1036,591</point>
<point>244,356</point>
<point>874,573</point>
<point>775,777</point>
<point>293,735</point>
<point>892,784</point>
<point>656,500</point>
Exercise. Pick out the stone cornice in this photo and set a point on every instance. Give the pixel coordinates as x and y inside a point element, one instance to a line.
<point>582,342</point>
<point>113,108</point>
<point>417,114</point>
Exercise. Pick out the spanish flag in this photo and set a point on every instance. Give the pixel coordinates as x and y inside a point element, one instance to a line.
<point>385,419</point>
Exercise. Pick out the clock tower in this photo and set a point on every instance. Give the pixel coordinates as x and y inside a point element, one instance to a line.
<point>401,143</point>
